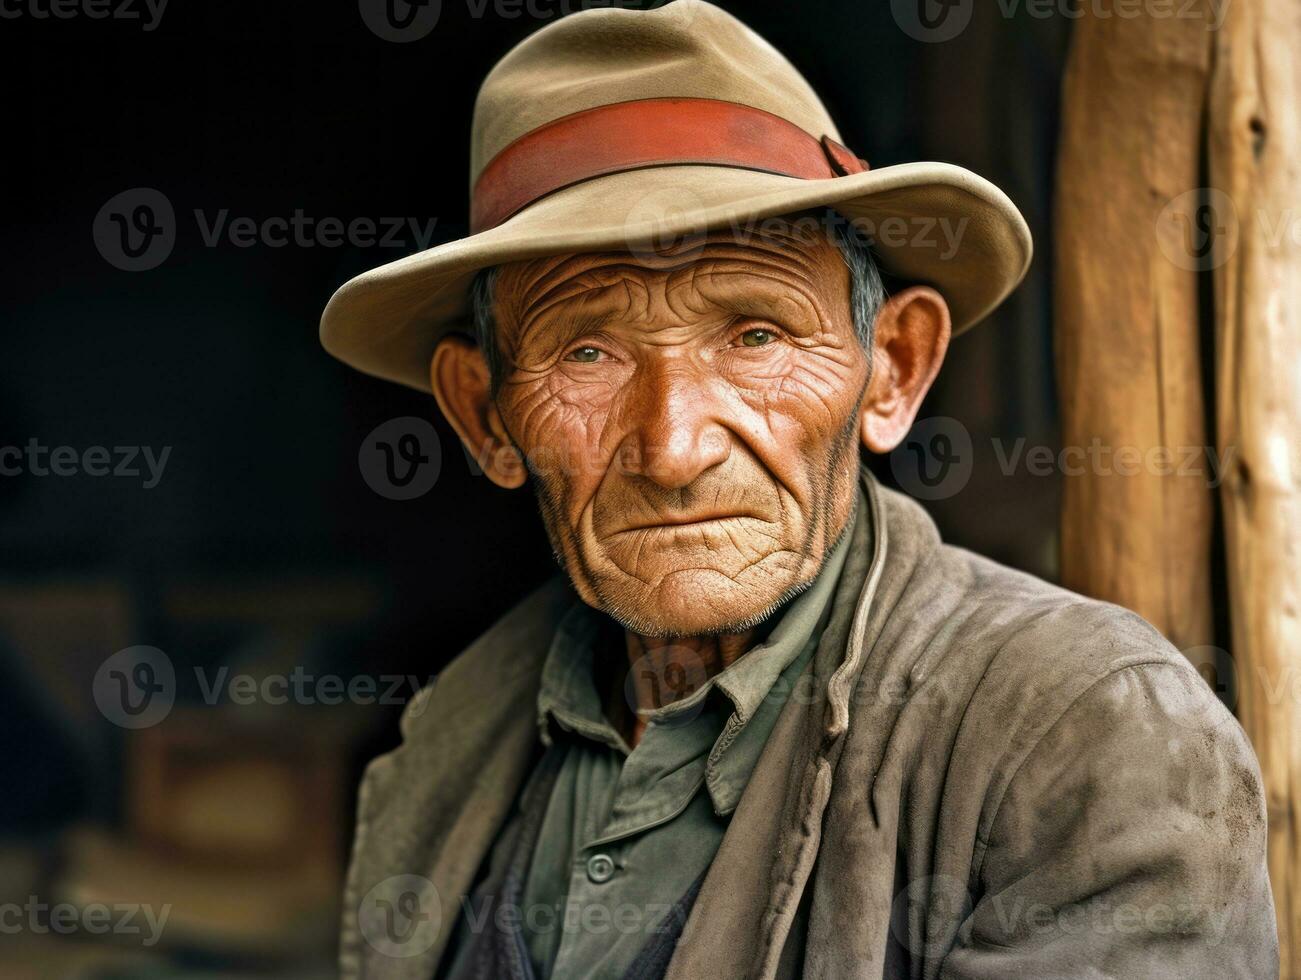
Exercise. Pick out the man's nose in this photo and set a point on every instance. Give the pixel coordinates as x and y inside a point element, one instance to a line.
<point>674,433</point>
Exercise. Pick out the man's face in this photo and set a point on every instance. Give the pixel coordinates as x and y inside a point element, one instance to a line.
<point>690,420</point>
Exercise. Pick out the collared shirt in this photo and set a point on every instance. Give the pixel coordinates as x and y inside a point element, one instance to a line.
<point>627,832</point>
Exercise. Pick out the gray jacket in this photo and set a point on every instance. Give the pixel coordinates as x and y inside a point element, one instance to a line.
<point>996,778</point>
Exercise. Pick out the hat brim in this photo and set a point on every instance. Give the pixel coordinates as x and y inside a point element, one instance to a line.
<point>930,223</point>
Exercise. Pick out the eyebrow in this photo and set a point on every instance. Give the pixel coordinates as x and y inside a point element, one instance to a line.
<point>581,311</point>
<point>762,293</point>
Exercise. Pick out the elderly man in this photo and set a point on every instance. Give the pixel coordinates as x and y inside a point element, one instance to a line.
<point>767,724</point>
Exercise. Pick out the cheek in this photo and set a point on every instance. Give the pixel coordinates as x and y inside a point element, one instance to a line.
<point>559,425</point>
<point>802,402</point>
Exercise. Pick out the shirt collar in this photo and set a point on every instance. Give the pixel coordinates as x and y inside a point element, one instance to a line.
<point>568,695</point>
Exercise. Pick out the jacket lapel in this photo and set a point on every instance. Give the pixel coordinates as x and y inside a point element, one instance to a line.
<point>432,807</point>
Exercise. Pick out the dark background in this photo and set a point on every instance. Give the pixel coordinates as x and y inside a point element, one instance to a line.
<point>262,547</point>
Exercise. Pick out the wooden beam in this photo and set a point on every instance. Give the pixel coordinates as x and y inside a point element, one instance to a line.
<point>1127,339</point>
<point>1255,166</point>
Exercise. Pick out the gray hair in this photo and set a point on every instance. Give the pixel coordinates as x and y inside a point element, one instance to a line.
<point>867,293</point>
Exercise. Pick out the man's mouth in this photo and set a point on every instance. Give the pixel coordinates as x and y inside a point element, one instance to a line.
<point>687,522</point>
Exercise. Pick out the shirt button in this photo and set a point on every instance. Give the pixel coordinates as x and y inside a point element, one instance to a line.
<point>600,868</point>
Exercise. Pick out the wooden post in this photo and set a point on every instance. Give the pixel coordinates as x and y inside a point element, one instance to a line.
<point>1255,164</point>
<point>1136,527</point>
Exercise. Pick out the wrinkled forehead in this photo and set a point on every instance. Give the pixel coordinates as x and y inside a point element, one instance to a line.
<point>793,257</point>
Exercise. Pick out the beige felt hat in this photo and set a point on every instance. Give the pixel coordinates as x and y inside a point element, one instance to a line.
<point>616,129</point>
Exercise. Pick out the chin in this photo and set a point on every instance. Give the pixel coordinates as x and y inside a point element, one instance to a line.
<point>694,602</point>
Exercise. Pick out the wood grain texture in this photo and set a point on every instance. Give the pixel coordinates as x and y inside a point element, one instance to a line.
<point>1255,166</point>
<point>1136,525</point>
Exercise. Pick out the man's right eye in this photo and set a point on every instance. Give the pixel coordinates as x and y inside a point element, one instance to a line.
<point>585,355</point>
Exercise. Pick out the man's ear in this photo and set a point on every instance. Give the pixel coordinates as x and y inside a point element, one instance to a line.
<point>458,374</point>
<point>908,347</point>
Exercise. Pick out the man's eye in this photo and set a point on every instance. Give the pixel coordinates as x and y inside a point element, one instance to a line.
<point>757,338</point>
<point>585,355</point>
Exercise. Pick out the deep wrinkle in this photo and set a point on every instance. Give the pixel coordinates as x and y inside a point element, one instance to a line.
<point>759,440</point>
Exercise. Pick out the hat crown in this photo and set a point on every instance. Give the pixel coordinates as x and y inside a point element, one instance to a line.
<point>685,49</point>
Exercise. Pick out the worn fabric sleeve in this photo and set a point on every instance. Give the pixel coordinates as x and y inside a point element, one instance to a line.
<point>1129,843</point>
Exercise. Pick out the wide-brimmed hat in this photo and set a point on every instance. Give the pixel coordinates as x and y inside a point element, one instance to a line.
<point>615,129</point>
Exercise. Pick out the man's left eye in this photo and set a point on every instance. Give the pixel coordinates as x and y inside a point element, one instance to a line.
<point>585,355</point>
<point>757,338</point>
